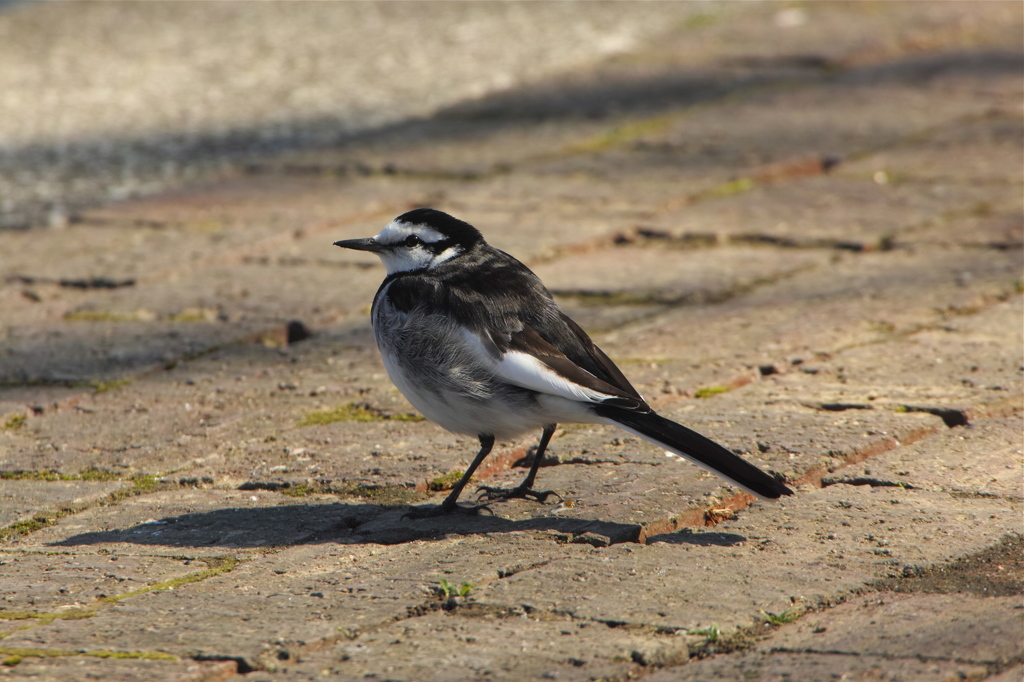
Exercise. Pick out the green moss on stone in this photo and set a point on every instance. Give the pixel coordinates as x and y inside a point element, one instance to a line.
<point>217,565</point>
<point>445,481</point>
<point>350,412</point>
<point>104,386</point>
<point>95,474</point>
<point>622,134</point>
<point>10,652</point>
<point>354,412</point>
<point>708,391</point>
<point>15,421</point>
<point>110,316</point>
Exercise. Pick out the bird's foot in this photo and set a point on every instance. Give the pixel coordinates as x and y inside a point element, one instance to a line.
<point>521,492</point>
<point>442,510</point>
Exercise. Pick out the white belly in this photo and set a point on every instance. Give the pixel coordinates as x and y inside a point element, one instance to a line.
<point>453,386</point>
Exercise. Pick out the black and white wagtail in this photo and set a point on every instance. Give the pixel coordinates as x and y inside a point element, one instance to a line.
<point>476,343</point>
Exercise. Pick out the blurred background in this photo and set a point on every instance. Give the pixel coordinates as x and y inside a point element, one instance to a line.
<point>102,101</point>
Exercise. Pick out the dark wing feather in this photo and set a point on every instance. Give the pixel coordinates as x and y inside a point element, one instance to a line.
<point>531,342</point>
<point>507,306</point>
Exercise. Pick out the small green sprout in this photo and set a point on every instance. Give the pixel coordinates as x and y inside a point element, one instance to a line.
<point>711,633</point>
<point>787,616</point>
<point>447,590</point>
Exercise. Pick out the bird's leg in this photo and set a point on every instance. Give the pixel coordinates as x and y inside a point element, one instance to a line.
<point>450,503</point>
<point>524,489</point>
<point>538,457</point>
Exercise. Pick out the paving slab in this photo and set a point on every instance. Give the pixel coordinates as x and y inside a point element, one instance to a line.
<point>52,582</point>
<point>304,596</point>
<point>118,670</point>
<point>813,667</point>
<point>856,301</point>
<point>992,572</point>
<point>450,646</point>
<point>823,121</point>
<point>965,361</point>
<point>671,276</point>
<point>976,151</point>
<point>982,459</point>
<point>982,630</point>
<point>794,439</point>
<point>821,31</point>
<point>995,225</point>
<point>207,521</point>
<point>823,210</point>
<point>768,557</point>
<point>230,394</point>
<point>654,280</point>
<point>21,500</point>
<point>615,477</point>
<point>808,567</point>
<point>1010,675</point>
<point>108,352</point>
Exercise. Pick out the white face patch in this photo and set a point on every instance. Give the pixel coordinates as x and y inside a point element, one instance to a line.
<point>397,232</point>
<point>399,257</point>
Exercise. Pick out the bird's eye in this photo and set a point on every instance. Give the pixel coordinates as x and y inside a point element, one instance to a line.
<point>412,240</point>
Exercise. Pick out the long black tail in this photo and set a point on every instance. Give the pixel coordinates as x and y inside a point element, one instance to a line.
<point>702,451</point>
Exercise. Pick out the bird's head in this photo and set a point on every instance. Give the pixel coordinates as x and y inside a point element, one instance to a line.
<point>418,240</point>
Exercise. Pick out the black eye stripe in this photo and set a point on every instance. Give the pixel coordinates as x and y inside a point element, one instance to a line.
<point>438,247</point>
<point>412,241</point>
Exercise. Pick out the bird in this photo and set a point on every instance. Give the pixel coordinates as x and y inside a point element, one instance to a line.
<point>476,343</point>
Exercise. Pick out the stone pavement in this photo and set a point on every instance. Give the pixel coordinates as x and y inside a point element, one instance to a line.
<point>797,228</point>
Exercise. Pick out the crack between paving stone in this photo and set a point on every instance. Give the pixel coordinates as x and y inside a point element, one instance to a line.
<point>364,170</point>
<point>745,637</point>
<point>866,480</point>
<point>922,135</point>
<point>670,303</point>
<point>80,283</point>
<point>987,301</point>
<point>95,653</point>
<point>275,335</point>
<point>948,414</point>
<point>672,300</point>
<point>215,566</point>
<point>642,237</point>
<point>223,565</point>
<point>710,516</point>
<point>456,606</point>
<point>299,261</point>
<point>887,656</point>
<point>141,484</point>
<point>462,607</point>
<point>270,244</point>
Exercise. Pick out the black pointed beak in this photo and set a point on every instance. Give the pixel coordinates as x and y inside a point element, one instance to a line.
<point>368,244</point>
